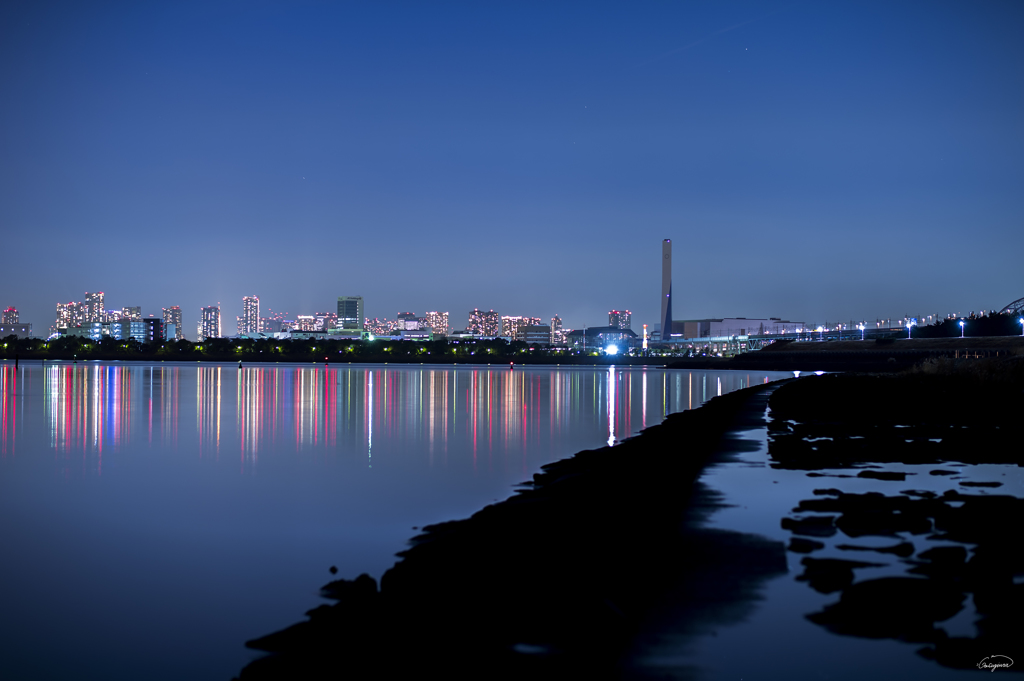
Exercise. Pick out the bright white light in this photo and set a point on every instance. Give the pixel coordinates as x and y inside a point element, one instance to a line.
<point>612,350</point>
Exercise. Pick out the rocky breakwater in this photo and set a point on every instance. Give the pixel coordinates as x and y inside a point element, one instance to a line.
<point>552,582</point>
<point>905,562</point>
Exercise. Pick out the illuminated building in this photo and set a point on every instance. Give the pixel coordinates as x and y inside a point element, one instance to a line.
<point>209,323</point>
<point>350,312</point>
<point>512,327</point>
<point>304,322</point>
<point>438,321</point>
<point>325,321</point>
<point>133,313</point>
<point>172,318</point>
<point>146,330</point>
<point>484,323</point>
<point>600,337</point>
<point>11,316</point>
<point>69,315</point>
<point>249,322</point>
<point>557,335</point>
<point>383,327</point>
<point>272,322</point>
<point>536,334</point>
<point>732,326</point>
<point>17,329</point>
<point>620,319</point>
<point>408,321</point>
<point>94,311</point>
<point>666,289</point>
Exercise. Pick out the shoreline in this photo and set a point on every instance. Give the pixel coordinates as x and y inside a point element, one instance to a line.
<point>588,361</point>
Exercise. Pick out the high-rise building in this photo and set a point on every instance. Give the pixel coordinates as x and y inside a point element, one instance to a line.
<point>172,317</point>
<point>249,322</point>
<point>557,335</point>
<point>666,289</point>
<point>132,313</point>
<point>70,315</point>
<point>94,311</point>
<point>438,321</point>
<point>484,323</point>
<point>11,315</point>
<point>512,327</point>
<point>304,322</point>
<point>209,323</point>
<point>350,312</point>
<point>620,319</point>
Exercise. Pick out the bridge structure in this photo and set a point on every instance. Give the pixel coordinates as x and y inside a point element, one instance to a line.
<point>1014,308</point>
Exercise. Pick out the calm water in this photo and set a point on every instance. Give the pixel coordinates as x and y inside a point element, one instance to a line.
<point>154,517</point>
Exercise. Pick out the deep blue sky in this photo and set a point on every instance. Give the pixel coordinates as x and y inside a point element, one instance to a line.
<point>809,160</point>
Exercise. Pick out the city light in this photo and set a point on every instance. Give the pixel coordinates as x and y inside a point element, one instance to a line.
<point>612,350</point>
<point>961,328</point>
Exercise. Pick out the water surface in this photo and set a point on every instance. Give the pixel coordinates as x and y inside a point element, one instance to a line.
<point>154,517</point>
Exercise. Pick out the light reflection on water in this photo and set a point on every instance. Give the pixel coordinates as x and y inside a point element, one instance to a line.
<point>157,516</point>
<point>91,407</point>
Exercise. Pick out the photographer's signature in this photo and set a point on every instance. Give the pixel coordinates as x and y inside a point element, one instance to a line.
<point>994,662</point>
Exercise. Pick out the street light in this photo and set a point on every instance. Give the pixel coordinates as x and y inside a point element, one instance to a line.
<point>861,327</point>
<point>961,328</point>
<point>1021,320</point>
<point>910,325</point>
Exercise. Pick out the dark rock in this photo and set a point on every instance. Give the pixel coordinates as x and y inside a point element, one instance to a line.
<point>826,575</point>
<point>903,549</point>
<point>799,545</point>
<point>940,471</point>
<point>883,475</point>
<point>882,523</point>
<point>981,484</point>
<point>892,607</point>
<point>810,526</point>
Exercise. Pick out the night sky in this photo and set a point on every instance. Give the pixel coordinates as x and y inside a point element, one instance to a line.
<point>810,160</point>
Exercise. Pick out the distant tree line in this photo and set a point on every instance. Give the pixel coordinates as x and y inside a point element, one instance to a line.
<point>287,350</point>
<point>993,324</point>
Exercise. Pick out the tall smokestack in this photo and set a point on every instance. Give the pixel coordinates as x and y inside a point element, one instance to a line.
<point>666,289</point>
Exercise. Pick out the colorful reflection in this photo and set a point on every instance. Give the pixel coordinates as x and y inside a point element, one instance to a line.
<point>9,408</point>
<point>489,416</point>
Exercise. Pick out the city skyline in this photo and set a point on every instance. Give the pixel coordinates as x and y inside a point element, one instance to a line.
<point>490,323</point>
<point>809,162</point>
